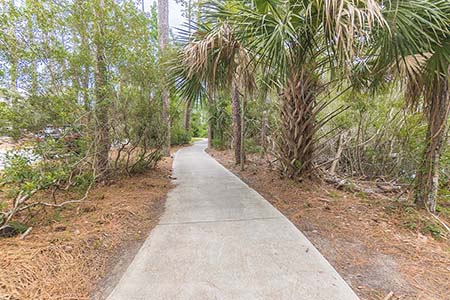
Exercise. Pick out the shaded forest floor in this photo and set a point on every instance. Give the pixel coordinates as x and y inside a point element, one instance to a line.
<point>382,247</point>
<point>80,251</point>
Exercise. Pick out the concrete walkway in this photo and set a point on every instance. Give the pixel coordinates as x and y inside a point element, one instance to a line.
<point>219,239</point>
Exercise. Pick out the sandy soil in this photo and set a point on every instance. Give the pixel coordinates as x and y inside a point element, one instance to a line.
<point>79,252</point>
<point>381,247</point>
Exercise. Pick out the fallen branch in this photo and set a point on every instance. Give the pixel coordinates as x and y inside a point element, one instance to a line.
<point>27,232</point>
<point>59,204</point>
<point>352,186</point>
<point>389,296</point>
<point>389,188</point>
<point>440,221</point>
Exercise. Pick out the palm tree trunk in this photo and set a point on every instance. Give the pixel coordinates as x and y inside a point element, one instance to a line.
<point>296,148</point>
<point>101,95</point>
<point>163,39</point>
<point>427,179</point>
<point>237,126</point>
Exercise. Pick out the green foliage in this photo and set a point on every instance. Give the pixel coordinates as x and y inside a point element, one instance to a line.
<point>199,126</point>
<point>19,227</point>
<point>52,97</point>
<point>220,118</point>
<point>179,136</point>
<point>432,229</point>
<point>219,144</point>
<point>46,163</point>
<point>382,137</point>
<point>252,146</point>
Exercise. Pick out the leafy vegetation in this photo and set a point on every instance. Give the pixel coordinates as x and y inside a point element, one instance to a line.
<point>327,89</point>
<point>342,88</point>
<point>80,91</point>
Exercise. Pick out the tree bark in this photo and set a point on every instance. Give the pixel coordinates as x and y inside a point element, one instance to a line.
<point>337,157</point>
<point>296,146</point>
<point>242,137</point>
<point>427,177</point>
<point>163,39</point>
<point>187,117</point>
<point>101,95</point>
<point>13,71</point>
<point>85,88</point>
<point>189,104</point>
<point>265,123</point>
<point>237,126</point>
<point>211,101</point>
<point>34,72</point>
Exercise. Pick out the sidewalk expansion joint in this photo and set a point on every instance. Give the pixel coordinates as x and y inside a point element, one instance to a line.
<point>218,221</point>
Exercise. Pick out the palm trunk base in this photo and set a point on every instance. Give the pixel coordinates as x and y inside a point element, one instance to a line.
<point>296,145</point>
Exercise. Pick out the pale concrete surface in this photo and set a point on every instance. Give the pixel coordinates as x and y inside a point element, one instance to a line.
<point>219,239</point>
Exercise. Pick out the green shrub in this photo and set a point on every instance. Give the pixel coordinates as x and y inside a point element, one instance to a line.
<point>432,229</point>
<point>179,136</point>
<point>45,165</point>
<point>219,144</point>
<point>252,147</point>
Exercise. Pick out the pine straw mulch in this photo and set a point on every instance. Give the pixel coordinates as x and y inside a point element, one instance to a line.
<point>70,251</point>
<point>382,247</point>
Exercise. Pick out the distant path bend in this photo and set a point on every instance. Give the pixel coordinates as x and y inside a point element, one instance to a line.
<point>219,239</point>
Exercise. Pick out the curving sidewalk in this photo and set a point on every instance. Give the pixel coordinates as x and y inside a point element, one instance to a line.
<point>219,239</point>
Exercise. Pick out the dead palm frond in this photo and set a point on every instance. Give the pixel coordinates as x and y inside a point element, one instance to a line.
<point>213,58</point>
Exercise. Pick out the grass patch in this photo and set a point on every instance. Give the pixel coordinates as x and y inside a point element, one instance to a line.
<point>196,139</point>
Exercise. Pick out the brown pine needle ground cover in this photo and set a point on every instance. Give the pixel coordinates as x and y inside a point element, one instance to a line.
<point>77,252</point>
<point>379,245</point>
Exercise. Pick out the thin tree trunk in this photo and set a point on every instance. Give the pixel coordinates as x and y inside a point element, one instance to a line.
<point>85,49</point>
<point>85,74</point>
<point>187,117</point>
<point>13,71</point>
<point>427,179</point>
<point>296,147</point>
<point>211,101</point>
<point>189,104</point>
<point>210,135</point>
<point>265,123</point>
<point>236,113</point>
<point>242,141</point>
<point>34,73</point>
<point>101,95</point>
<point>337,157</point>
<point>163,39</point>
<point>189,15</point>
<point>85,83</point>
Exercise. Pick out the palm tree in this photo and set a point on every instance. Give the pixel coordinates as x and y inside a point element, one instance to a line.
<point>416,48</point>
<point>214,59</point>
<point>304,44</point>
